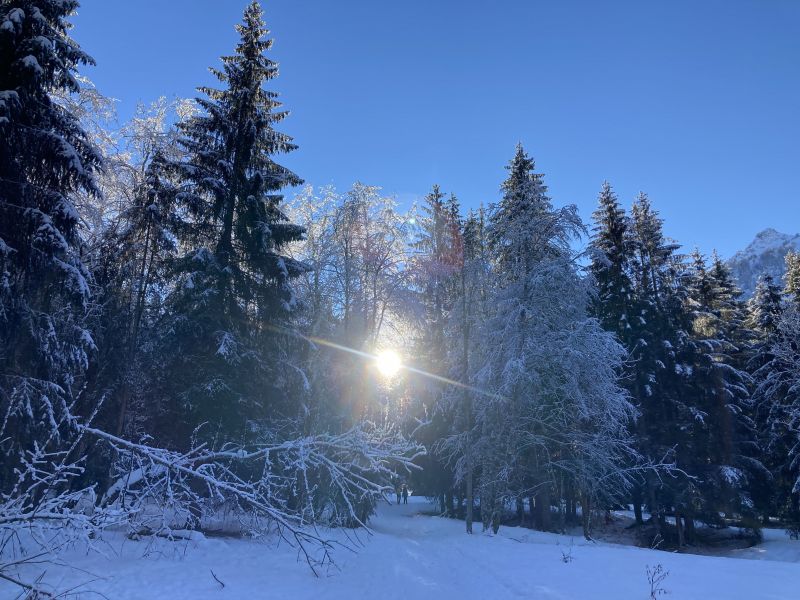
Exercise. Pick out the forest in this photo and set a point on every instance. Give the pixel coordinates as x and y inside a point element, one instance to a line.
<point>192,338</point>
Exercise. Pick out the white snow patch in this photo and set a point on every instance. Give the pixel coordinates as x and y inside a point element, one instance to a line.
<point>410,555</point>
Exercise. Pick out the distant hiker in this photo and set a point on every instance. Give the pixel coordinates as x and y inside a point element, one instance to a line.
<point>397,492</point>
<point>405,494</point>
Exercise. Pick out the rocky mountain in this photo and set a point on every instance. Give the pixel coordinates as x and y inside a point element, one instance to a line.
<point>765,254</point>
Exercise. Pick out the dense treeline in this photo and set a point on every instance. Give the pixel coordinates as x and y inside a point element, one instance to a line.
<point>683,404</point>
<point>152,370</point>
<point>179,344</point>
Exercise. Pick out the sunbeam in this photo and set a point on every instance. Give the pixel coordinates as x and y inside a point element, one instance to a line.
<point>377,359</point>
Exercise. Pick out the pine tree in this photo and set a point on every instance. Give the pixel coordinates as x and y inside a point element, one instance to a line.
<point>772,368</point>
<point>616,303</point>
<point>46,159</point>
<point>777,393</point>
<point>764,312</point>
<point>792,277</point>
<point>764,308</point>
<point>548,370</point>
<point>222,342</point>
<point>131,269</point>
<point>654,342</point>
<point>524,227</point>
<point>471,308</point>
<point>436,262</point>
<point>724,448</point>
<point>434,267</point>
<point>674,371</point>
<point>610,266</point>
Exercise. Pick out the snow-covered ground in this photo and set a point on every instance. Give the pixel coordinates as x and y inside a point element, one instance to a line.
<point>411,556</point>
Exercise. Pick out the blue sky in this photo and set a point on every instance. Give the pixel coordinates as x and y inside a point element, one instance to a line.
<point>696,103</point>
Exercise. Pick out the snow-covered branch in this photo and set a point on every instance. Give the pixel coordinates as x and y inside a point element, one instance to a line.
<point>289,487</point>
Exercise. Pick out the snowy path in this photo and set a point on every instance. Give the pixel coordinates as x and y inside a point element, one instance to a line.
<point>412,556</point>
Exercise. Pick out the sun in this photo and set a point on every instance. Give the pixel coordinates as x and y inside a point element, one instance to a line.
<point>388,363</point>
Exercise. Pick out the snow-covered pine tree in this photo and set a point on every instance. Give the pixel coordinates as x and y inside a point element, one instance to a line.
<point>764,310</point>
<point>615,303</point>
<point>785,376</point>
<point>46,159</point>
<point>774,365</point>
<point>722,451</point>
<point>659,333</point>
<point>470,309</point>
<point>470,306</point>
<point>132,270</point>
<point>792,277</point>
<point>519,235</point>
<point>436,261</point>
<point>778,394</point>
<point>548,370</point>
<point>222,345</point>
<point>517,246</point>
<point>433,268</point>
<point>611,254</point>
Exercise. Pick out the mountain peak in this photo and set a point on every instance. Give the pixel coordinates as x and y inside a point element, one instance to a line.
<point>765,254</point>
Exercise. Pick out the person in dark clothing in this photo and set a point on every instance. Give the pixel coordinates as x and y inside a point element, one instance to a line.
<point>405,494</point>
<point>397,492</point>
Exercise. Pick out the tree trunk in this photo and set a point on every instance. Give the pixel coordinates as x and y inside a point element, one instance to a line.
<point>572,504</point>
<point>679,528</point>
<point>637,505</point>
<point>496,519</point>
<point>520,511</point>
<point>486,512</point>
<point>469,499</point>
<point>543,509</point>
<point>532,511</point>
<point>467,400</point>
<point>688,523</point>
<point>122,412</point>
<point>586,511</point>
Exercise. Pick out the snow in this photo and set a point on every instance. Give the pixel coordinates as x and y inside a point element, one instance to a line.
<point>765,254</point>
<point>776,547</point>
<point>16,16</point>
<point>30,62</point>
<point>409,555</point>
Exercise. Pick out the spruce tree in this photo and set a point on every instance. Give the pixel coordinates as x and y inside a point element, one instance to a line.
<point>764,311</point>
<point>222,342</point>
<point>432,272</point>
<point>46,159</point>
<point>658,347</point>
<point>773,395</point>
<point>131,268</point>
<point>764,308</point>
<point>792,277</point>
<point>723,435</point>
<point>611,255</point>
<point>436,262</point>
<point>524,228</point>
<point>470,310</point>
<point>549,368</point>
<point>523,231</point>
<point>615,303</point>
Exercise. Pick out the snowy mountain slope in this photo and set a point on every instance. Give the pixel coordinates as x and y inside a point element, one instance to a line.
<point>765,254</point>
<point>411,556</point>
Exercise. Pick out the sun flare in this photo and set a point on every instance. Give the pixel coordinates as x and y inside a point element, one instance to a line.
<point>388,363</point>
